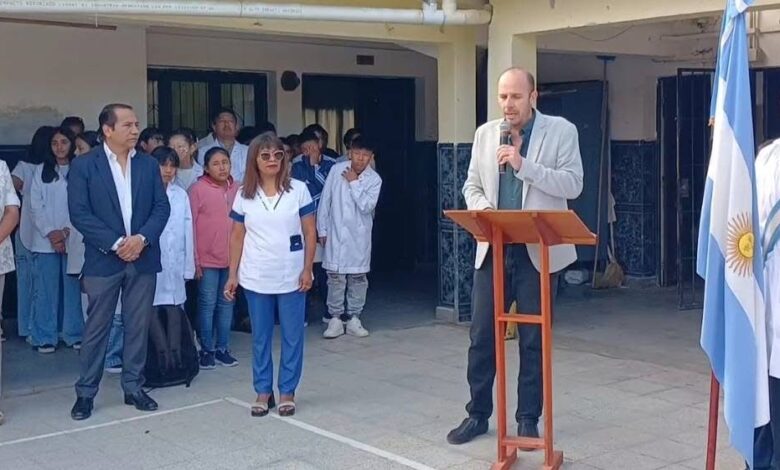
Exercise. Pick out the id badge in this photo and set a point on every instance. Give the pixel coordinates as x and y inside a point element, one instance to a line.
<point>296,243</point>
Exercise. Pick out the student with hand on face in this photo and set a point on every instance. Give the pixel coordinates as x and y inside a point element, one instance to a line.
<point>313,169</point>
<point>183,141</point>
<point>344,224</point>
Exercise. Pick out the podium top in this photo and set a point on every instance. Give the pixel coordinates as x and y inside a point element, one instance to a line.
<point>550,227</point>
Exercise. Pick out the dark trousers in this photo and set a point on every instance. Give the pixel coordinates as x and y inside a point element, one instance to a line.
<point>766,451</point>
<point>137,297</point>
<point>522,284</point>
<point>320,289</point>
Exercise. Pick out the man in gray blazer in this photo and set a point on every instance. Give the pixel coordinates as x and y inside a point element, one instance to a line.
<point>543,169</point>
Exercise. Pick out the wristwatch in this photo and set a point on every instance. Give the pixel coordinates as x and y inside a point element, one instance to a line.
<point>144,240</point>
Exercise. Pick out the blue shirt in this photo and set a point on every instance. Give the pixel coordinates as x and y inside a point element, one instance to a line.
<point>510,187</point>
<point>313,176</point>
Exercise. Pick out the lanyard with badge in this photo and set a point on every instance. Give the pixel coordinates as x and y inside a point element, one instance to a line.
<point>262,200</point>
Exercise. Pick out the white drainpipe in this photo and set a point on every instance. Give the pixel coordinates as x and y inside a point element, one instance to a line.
<point>428,14</point>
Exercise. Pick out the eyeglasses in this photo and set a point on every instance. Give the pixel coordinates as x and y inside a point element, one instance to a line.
<point>277,155</point>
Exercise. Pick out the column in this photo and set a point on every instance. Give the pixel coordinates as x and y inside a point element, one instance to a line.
<point>457,122</point>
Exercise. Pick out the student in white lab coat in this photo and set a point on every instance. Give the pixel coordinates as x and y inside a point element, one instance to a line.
<point>344,223</point>
<point>53,289</point>
<point>176,256</point>
<point>349,136</point>
<point>9,218</point>
<point>767,449</point>
<point>22,177</point>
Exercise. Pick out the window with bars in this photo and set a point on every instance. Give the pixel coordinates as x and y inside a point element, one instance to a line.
<point>187,98</point>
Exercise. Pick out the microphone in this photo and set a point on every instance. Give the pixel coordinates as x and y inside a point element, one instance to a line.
<point>506,139</point>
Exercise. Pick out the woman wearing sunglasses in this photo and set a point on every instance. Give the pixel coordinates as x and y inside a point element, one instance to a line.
<point>271,254</point>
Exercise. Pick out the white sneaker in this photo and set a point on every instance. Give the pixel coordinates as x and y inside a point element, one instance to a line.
<point>355,328</point>
<point>335,329</point>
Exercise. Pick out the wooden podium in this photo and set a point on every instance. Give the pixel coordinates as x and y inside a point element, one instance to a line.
<point>545,228</point>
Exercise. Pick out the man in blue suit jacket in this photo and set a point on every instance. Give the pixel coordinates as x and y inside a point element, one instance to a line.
<point>118,203</point>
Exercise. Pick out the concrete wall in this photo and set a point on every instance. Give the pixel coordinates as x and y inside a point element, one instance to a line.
<point>49,72</point>
<point>188,50</point>
<point>57,71</point>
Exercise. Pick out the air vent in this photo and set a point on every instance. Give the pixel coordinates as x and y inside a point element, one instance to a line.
<point>365,60</point>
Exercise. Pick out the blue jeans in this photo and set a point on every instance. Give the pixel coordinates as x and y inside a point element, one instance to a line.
<point>292,309</point>
<point>23,286</point>
<point>214,308</point>
<point>55,295</point>
<point>115,335</point>
<point>115,340</point>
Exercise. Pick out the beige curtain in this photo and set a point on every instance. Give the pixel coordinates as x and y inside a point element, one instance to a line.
<point>335,121</point>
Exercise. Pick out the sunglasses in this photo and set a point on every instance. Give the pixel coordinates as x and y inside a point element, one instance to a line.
<point>277,155</point>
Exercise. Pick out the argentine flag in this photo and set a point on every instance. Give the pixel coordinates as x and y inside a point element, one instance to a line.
<point>733,330</point>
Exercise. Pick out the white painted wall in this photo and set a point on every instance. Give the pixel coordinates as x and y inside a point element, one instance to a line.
<point>57,71</point>
<point>188,50</point>
<point>49,72</point>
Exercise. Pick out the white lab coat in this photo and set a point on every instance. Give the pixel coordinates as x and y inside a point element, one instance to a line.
<point>768,195</point>
<point>346,217</point>
<point>48,208</point>
<point>25,172</point>
<point>74,245</point>
<point>8,198</point>
<point>207,142</point>
<point>176,250</point>
<point>188,177</point>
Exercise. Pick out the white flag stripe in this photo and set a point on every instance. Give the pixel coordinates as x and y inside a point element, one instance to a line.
<point>727,164</point>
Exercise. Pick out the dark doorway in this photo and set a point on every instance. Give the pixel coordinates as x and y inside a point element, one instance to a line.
<point>771,104</point>
<point>685,145</point>
<point>581,104</point>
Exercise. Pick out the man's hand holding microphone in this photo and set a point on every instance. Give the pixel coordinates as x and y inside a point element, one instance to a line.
<point>508,153</point>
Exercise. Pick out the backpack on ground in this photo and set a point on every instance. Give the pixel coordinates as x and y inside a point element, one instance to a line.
<point>172,358</point>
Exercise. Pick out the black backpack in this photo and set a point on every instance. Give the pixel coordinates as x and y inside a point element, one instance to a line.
<point>172,358</point>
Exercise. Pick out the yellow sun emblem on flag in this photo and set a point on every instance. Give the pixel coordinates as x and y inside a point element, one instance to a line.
<point>740,245</point>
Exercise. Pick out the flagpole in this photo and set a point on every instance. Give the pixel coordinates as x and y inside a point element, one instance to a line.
<point>712,433</point>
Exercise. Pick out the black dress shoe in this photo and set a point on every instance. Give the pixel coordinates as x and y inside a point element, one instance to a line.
<point>82,409</point>
<point>468,430</point>
<point>527,428</point>
<point>141,401</point>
